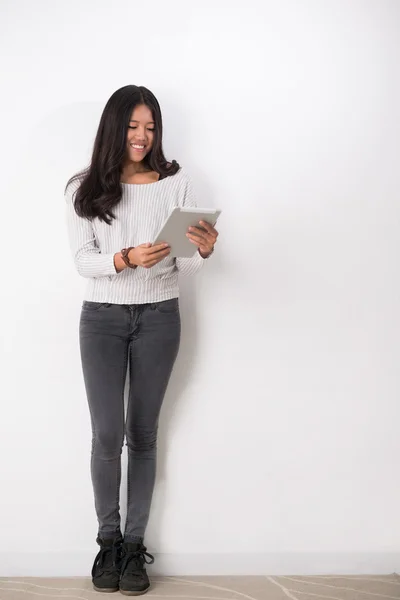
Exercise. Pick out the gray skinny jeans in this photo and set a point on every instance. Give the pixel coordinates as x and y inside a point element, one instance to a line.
<point>147,337</point>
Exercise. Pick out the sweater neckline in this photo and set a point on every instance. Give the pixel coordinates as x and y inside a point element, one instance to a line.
<point>142,184</point>
<point>160,181</point>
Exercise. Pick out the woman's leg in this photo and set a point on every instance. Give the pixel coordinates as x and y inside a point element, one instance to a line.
<point>153,352</point>
<point>104,341</point>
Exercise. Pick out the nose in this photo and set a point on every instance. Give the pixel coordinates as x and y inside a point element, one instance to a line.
<point>140,135</point>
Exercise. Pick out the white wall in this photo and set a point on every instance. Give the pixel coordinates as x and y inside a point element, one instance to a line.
<point>279,444</point>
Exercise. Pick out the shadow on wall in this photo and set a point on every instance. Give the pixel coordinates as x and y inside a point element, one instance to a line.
<point>174,398</point>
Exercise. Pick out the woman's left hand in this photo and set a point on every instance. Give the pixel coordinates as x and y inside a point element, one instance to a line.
<point>204,237</point>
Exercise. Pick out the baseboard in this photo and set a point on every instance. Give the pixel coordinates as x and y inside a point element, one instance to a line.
<point>77,564</point>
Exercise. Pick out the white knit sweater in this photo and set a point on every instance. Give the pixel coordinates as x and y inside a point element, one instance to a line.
<point>139,216</point>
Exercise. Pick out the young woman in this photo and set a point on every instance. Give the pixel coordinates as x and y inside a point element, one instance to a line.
<point>130,315</point>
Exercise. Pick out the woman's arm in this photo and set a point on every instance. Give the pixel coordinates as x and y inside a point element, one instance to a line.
<point>89,261</point>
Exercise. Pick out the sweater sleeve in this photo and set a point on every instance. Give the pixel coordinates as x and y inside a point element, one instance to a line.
<point>89,261</point>
<point>189,266</point>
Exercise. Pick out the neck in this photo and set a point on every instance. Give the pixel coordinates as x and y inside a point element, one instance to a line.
<point>130,169</point>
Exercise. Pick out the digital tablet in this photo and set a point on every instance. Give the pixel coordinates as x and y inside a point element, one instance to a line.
<point>175,228</point>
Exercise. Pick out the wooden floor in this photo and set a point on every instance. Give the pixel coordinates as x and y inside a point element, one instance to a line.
<point>216,588</point>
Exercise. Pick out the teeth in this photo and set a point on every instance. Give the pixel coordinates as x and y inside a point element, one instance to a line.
<point>137,146</point>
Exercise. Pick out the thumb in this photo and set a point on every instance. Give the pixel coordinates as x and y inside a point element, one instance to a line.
<point>148,245</point>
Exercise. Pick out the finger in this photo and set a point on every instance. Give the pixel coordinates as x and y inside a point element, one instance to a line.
<point>155,258</point>
<point>203,240</point>
<point>158,248</point>
<point>198,230</point>
<point>197,239</point>
<point>199,233</point>
<point>196,242</point>
<point>205,235</point>
<point>152,263</point>
<point>209,228</point>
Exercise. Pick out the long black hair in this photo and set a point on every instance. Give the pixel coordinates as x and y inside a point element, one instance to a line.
<point>100,188</point>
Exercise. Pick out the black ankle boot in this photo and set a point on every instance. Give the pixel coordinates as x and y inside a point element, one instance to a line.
<point>105,572</point>
<point>134,580</point>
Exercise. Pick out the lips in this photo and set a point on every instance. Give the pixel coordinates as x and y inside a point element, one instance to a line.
<point>138,147</point>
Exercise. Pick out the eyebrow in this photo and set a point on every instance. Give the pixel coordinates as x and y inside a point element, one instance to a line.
<point>149,123</point>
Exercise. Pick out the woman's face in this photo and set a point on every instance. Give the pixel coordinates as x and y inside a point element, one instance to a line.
<point>140,133</point>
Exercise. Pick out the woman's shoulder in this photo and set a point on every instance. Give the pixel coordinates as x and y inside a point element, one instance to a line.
<point>72,185</point>
<point>182,177</point>
<point>176,182</point>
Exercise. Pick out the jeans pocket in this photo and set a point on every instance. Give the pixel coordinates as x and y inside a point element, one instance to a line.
<point>92,306</point>
<point>167,306</point>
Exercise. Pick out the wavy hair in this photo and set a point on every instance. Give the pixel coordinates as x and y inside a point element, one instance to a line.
<point>100,189</point>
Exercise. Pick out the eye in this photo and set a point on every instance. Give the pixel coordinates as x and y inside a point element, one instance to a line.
<point>133,127</point>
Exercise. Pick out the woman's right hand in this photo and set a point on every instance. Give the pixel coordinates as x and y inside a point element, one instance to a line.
<point>148,256</point>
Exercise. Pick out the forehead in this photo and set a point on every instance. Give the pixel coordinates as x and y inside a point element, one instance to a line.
<point>142,113</point>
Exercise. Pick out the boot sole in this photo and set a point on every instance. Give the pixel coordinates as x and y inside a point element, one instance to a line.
<point>133,593</point>
<point>106,590</point>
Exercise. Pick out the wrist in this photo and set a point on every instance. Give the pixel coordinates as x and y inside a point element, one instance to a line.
<point>119,263</point>
<point>126,257</point>
<point>206,255</point>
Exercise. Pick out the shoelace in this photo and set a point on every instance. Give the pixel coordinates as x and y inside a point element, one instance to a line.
<point>136,558</point>
<point>104,553</point>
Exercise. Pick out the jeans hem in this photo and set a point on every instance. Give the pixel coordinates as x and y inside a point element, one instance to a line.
<point>133,539</point>
<point>109,534</point>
